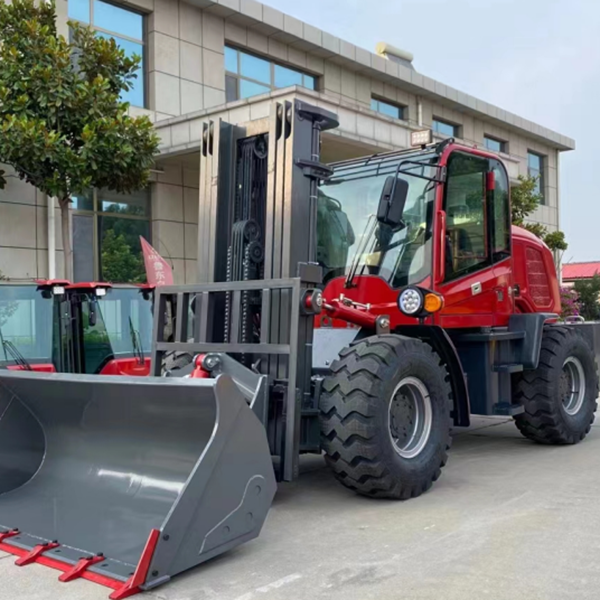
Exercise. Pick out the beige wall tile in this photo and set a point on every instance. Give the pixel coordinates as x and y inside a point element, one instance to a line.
<point>213,97</point>
<point>192,98</point>
<point>191,62</point>
<point>18,262</point>
<point>213,32</point>
<point>167,202</point>
<point>164,93</point>
<point>191,199</point>
<point>191,179</point>
<point>17,225</point>
<point>236,34</point>
<point>190,23</point>
<point>164,53</point>
<point>191,241</point>
<point>165,17</point>
<point>191,269</point>
<point>213,69</point>
<point>257,41</point>
<point>167,237</point>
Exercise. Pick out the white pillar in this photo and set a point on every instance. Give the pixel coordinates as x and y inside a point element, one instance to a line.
<point>51,238</point>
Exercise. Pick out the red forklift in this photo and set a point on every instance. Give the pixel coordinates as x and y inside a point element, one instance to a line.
<point>95,328</point>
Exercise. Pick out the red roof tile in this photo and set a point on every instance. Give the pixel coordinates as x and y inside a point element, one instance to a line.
<point>580,270</point>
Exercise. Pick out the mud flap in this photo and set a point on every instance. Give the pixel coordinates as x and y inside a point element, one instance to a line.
<point>143,478</point>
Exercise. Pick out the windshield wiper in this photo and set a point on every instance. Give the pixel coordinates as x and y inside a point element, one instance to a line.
<point>17,356</point>
<point>136,340</point>
<point>369,229</point>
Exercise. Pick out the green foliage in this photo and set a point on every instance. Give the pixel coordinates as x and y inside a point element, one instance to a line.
<point>119,263</point>
<point>62,125</point>
<point>589,291</point>
<point>524,201</point>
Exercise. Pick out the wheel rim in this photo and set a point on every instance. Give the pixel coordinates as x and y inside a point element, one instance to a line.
<point>410,417</point>
<point>572,385</point>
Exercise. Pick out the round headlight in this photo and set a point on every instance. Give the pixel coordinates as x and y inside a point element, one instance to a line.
<point>410,301</point>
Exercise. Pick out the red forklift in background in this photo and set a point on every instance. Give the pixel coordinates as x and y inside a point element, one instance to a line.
<point>94,328</point>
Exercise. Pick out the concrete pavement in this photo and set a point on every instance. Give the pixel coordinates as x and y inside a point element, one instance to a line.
<point>508,519</point>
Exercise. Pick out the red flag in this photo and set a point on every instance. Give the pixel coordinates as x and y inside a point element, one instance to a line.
<point>158,270</point>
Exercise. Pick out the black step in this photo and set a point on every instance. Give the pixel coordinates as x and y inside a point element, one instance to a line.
<point>508,410</point>
<point>492,335</point>
<point>509,368</point>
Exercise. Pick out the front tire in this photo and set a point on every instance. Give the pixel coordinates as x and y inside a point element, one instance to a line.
<point>385,417</point>
<point>560,396</point>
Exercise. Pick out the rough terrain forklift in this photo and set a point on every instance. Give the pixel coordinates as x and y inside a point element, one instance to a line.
<point>57,327</point>
<point>359,309</point>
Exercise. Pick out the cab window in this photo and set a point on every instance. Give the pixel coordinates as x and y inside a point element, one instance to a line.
<point>466,219</point>
<point>501,213</point>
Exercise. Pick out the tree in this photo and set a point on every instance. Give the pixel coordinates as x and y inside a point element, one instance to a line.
<point>119,264</point>
<point>569,303</point>
<point>63,127</point>
<point>524,200</point>
<point>589,290</point>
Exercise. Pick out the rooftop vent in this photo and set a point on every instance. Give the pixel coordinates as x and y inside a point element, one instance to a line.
<point>390,52</point>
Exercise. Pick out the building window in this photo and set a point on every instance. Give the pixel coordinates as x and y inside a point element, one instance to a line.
<point>444,128</point>
<point>125,26</point>
<point>387,108</point>
<point>494,144</point>
<point>535,168</point>
<point>106,236</point>
<point>249,75</point>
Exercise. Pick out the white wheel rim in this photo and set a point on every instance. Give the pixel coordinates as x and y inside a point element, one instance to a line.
<point>572,385</point>
<point>410,417</point>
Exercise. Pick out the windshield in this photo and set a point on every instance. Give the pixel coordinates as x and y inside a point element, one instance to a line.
<point>25,324</point>
<point>122,327</point>
<point>348,232</point>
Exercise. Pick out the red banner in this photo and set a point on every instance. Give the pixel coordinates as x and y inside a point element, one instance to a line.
<point>158,270</point>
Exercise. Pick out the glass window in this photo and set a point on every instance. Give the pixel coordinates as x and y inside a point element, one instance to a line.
<point>445,128</point>
<point>106,237</point>
<point>249,88</point>
<point>249,75</point>
<point>501,212</point>
<point>79,10</point>
<point>285,77</point>
<point>25,324</point>
<point>118,19</point>
<point>231,60</point>
<point>493,144</point>
<point>255,68</point>
<point>348,234</point>
<point>465,207</point>
<point>386,108</point>
<point>535,168</point>
<point>126,27</point>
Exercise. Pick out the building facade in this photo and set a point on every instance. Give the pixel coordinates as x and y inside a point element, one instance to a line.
<point>231,59</point>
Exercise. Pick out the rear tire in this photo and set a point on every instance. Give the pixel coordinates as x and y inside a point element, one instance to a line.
<point>560,396</point>
<point>385,417</point>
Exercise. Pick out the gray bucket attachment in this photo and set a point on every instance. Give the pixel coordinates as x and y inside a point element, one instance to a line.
<point>150,476</point>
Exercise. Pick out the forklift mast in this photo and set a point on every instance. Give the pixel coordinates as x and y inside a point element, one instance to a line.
<point>257,269</point>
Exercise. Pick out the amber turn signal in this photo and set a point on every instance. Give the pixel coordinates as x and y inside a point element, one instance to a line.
<point>433,303</point>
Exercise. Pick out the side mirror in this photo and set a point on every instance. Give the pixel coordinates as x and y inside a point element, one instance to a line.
<point>392,201</point>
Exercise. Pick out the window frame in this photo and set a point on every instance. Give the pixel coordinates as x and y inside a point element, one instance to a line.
<point>502,143</point>
<point>402,108</point>
<point>455,127</point>
<point>272,64</point>
<point>500,255</point>
<point>142,42</point>
<point>96,213</point>
<point>488,262</point>
<point>540,173</point>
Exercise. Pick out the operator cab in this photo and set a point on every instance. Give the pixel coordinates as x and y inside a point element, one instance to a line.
<point>436,217</point>
<point>111,328</point>
<point>28,312</point>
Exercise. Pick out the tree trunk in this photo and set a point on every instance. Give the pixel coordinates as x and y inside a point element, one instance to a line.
<point>66,236</point>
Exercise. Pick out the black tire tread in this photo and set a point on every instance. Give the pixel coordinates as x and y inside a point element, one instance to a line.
<point>349,404</point>
<point>542,421</point>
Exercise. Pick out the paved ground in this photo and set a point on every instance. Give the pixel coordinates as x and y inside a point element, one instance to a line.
<point>508,520</point>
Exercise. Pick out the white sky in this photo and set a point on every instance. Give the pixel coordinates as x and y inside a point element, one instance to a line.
<point>537,58</point>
